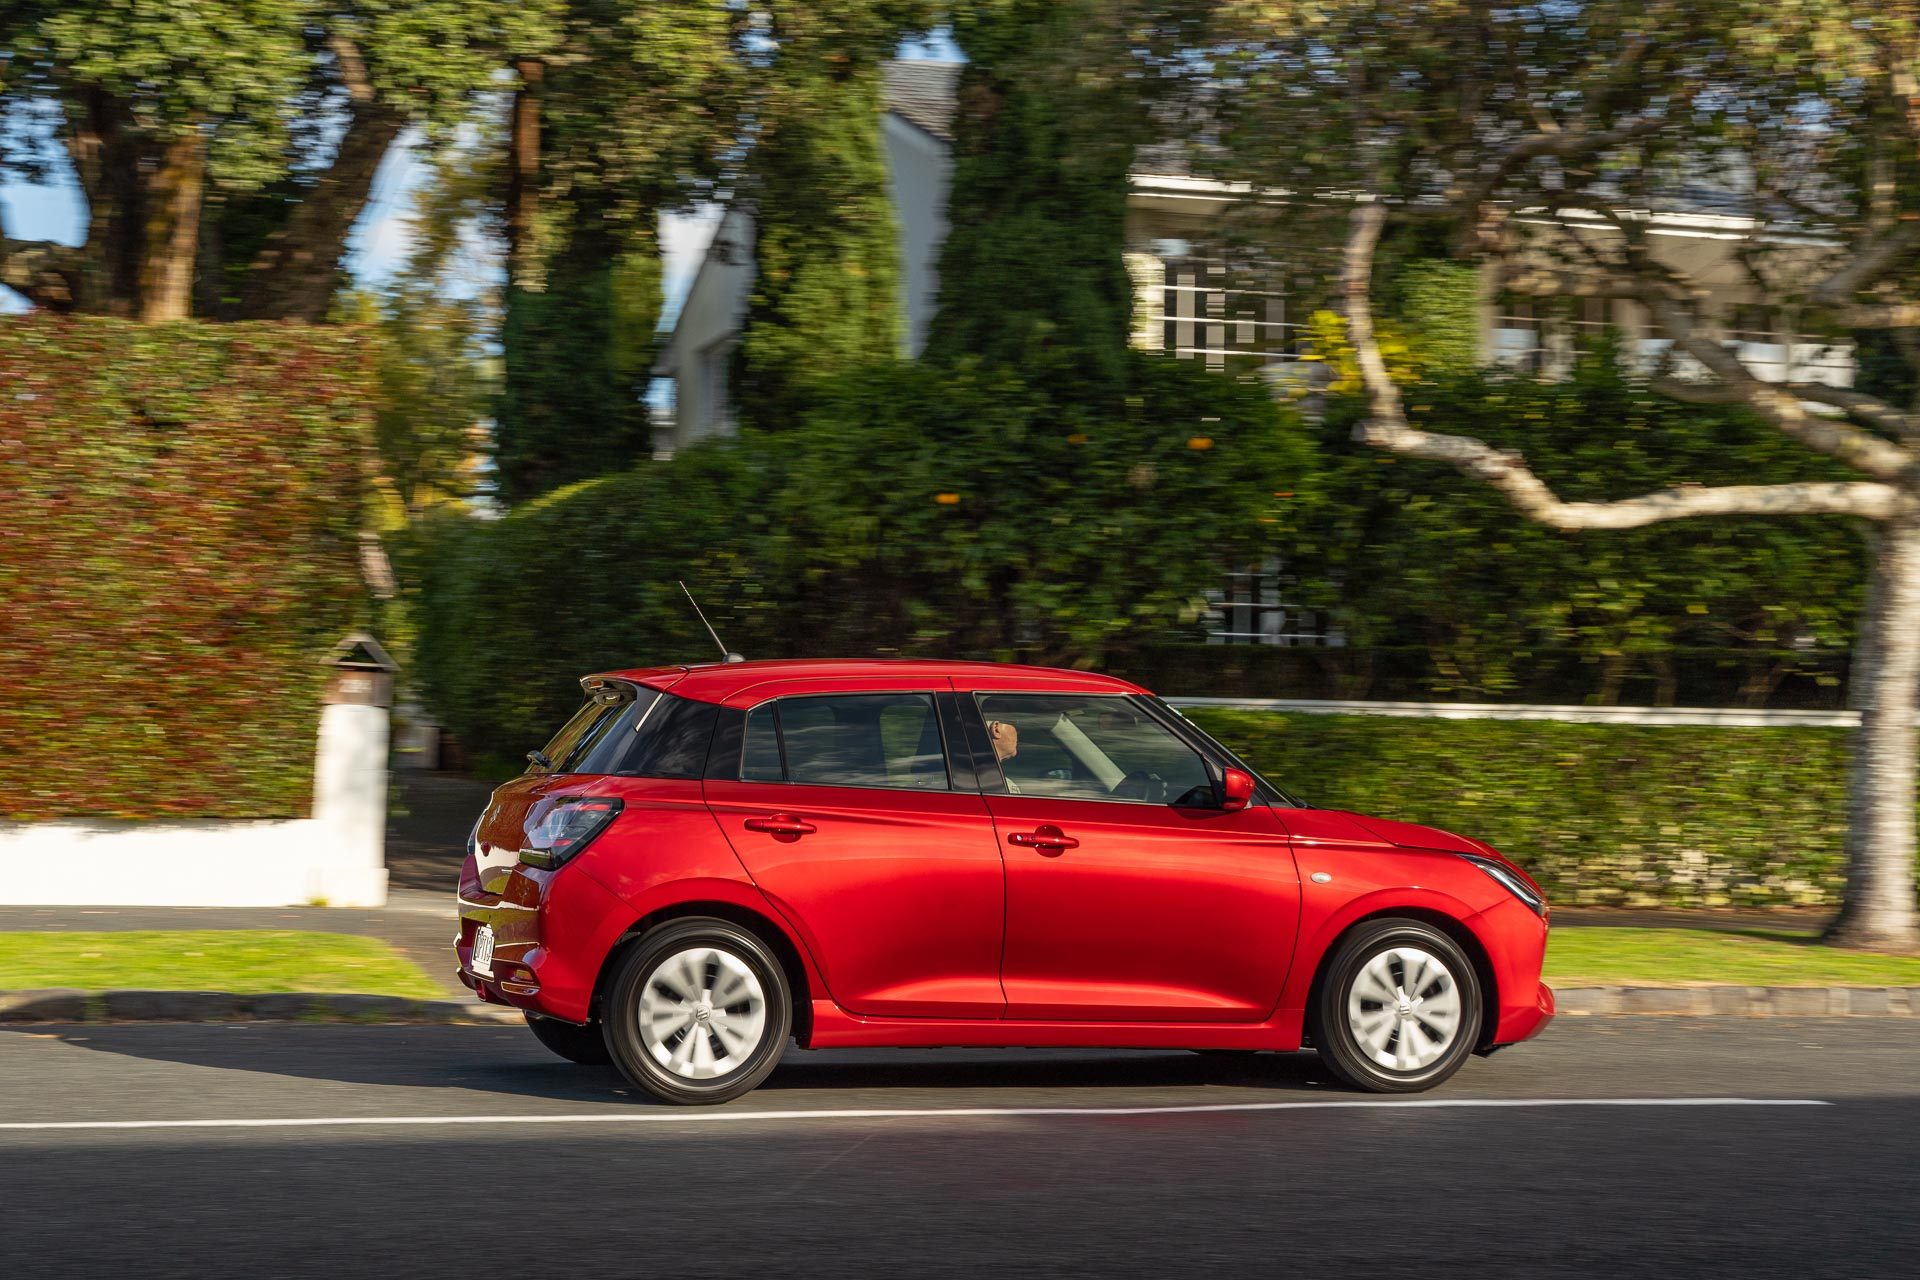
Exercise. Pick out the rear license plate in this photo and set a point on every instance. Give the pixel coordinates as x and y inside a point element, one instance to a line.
<point>483,951</point>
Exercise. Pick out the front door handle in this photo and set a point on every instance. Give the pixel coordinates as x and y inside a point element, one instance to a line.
<point>782,824</point>
<point>1047,839</point>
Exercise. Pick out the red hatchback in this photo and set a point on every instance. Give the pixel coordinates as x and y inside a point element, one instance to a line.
<point>708,861</point>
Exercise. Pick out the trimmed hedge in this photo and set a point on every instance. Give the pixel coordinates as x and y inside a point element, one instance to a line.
<point>1610,815</point>
<point>180,546</point>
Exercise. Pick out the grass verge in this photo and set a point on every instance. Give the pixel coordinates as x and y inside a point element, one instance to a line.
<point>1582,956</point>
<point>246,961</point>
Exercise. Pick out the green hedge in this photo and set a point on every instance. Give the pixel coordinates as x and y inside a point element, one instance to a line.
<point>1602,814</point>
<point>180,546</point>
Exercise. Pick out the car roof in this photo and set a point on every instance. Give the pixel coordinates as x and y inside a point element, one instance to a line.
<point>717,682</point>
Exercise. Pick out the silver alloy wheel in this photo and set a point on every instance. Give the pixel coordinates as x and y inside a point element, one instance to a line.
<point>1403,1008</point>
<point>703,1013</point>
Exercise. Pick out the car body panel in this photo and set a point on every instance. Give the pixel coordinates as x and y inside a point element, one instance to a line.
<point>1157,914</point>
<point>899,895</point>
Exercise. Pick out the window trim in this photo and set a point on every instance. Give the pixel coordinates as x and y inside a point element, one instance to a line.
<point>955,784</point>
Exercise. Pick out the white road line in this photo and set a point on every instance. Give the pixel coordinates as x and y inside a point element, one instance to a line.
<point>682,1116</point>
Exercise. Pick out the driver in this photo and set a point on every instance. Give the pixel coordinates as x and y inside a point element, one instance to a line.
<point>1006,745</point>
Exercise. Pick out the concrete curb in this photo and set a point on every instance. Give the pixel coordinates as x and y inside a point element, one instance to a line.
<point>226,1006</point>
<point>62,1005</point>
<point>1741,1002</point>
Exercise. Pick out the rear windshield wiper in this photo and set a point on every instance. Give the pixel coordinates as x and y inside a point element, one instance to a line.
<point>540,758</point>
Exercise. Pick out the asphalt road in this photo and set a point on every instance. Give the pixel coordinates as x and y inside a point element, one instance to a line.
<point>547,1169</point>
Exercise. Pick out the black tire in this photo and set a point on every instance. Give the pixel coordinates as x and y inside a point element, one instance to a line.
<point>584,1045</point>
<point>641,974</point>
<point>1346,1001</point>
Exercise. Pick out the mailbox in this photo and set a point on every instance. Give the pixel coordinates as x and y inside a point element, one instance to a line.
<point>362,673</point>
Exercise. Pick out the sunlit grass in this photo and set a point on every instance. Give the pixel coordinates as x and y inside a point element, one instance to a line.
<point>247,961</point>
<point>1591,957</point>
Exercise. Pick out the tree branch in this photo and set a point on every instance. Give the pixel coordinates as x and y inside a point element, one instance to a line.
<point>1480,220</point>
<point>1866,266</point>
<point>1868,409</point>
<point>1386,427</point>
<point>46,273</point>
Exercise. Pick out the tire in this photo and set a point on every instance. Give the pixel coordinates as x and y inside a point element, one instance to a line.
<point>585,1045</point>
<point>1375,1034</point>
<point>666,1025</point>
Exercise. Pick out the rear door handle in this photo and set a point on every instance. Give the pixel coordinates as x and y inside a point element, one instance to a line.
<point>1048,839</point>
<point>782,824</point>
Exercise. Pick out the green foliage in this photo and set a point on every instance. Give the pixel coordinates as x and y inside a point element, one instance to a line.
<point>912,511</point>
<point>181,537</point>
<point>576,353</point>
<point>1403,553</point>
<point>1031,274</point>
<point>1438,304</point>
<point>826,288</point>
<point>1611,815</point>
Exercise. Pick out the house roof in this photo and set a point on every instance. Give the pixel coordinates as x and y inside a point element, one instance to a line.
<point>922,93</point>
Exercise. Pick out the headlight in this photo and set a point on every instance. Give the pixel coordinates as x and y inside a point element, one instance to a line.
<point>1512,883</point>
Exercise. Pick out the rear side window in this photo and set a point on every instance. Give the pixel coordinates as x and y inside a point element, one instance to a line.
<point>635,732</point>
<point>847,740</point>
<point>589,741</point>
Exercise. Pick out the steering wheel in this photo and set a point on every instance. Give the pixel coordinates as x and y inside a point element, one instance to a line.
<point>1142,784</point>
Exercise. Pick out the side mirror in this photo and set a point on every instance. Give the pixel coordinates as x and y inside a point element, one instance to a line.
<point>1236,790</point>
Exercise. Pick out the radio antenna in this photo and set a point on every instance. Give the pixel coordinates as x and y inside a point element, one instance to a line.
<point>726,654</point>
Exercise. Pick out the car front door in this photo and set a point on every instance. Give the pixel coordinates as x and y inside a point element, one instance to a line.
<point>877,848</point>
<point>1131,895</point>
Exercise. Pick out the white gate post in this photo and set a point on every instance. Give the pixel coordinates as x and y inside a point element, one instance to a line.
<point>350,775</point>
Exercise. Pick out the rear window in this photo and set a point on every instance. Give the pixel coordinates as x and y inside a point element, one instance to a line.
<point>635,732</point>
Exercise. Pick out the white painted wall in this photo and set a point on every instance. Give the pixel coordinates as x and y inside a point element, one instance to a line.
<point>336,857</point>
<point>919,176</point>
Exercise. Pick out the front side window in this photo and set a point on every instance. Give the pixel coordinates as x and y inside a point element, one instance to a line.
<point>847,740</point>
<point>1087,747</point>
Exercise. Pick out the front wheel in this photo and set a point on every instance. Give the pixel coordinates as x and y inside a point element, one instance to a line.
<point>1398,1009</point>
<point>698,1012</point>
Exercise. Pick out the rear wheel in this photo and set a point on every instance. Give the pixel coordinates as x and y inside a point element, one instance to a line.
<point>698,1012</point>
<point>1398,1009</point>
<point>586,1045</point>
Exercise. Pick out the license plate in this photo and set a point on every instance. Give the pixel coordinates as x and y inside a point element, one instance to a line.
<point>483,951</point>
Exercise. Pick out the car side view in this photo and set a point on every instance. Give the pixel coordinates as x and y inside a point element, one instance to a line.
<point>709,861</point>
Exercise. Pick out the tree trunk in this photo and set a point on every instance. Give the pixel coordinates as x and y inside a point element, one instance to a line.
<point>170,229</point>
<point>1878,912</point>
<point>523,174</point>
<point>296,275</point>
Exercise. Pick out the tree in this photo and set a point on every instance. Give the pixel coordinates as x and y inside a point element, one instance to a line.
<point>826,284</point>
<point>636,110</point>
<point>1543,142</point>
<point>1052,103</point>
<point>266,119</point>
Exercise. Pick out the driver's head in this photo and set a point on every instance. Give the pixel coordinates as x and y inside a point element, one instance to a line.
<point>1005,739</point>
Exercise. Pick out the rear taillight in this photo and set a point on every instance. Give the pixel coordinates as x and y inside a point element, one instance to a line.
<point>566,829</point>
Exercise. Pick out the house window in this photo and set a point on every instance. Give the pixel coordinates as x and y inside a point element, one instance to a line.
<point>1251,607</point>
<point>1591,320</point>
<point>1232,315</point>
<point>1520,334</point>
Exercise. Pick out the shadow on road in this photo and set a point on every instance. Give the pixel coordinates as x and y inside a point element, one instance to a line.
<point>505,1061</point>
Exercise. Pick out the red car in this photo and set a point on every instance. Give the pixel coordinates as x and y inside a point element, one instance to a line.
<point>708,861</point>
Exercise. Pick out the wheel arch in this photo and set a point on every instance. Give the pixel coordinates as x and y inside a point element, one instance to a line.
<point>1454,928</point>
<point>761,925</point>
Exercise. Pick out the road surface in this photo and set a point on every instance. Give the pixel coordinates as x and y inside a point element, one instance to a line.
<point>1611,1147</point>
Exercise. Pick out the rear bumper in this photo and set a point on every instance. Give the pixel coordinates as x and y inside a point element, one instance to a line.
<point>552,930</point>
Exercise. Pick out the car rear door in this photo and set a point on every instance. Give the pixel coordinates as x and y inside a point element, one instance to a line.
<point>851,815</point>
<point>1130,895</point>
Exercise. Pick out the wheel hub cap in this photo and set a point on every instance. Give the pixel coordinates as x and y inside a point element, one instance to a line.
<point>1403,1009</point>
<point>703,1013</point>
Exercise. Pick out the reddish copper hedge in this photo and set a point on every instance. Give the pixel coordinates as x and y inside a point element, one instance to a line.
<point>179,511</point>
